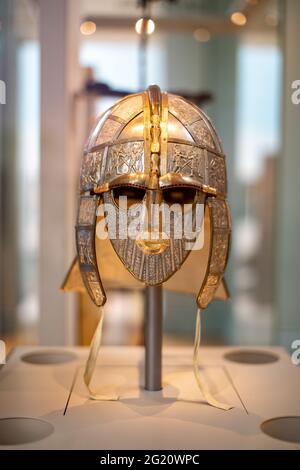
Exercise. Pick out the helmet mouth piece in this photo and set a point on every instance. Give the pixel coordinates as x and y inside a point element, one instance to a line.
<point>153,242</point>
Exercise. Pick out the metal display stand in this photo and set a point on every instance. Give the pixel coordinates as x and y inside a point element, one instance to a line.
<point>153,338</point>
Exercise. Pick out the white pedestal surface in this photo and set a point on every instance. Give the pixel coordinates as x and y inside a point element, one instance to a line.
<point>175,418</point>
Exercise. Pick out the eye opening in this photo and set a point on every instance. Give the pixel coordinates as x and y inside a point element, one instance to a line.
<point>179,195</point>
<point>134,194</point>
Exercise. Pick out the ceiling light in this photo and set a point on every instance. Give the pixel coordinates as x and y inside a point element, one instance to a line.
<point>202,35</point>
<point>87,28</point>
<point>272,19</point>
<point>238,18</point>
<point>145,26</point>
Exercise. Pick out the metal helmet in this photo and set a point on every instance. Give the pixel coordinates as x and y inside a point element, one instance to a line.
<point>153,146</point>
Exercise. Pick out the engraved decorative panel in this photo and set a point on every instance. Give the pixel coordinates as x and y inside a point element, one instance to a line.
<point>202,134</point>
<point>186,160</point>
<point>213,132</point>
<point>87,210</point>
<point>90,170</point>
<point>108,131</point>
<point>209,290</point>
<point>124,158</point>
<point>95,287</point>
<point>129,107</point>
<point>182,110</point>
<point>85,243</point>
<point>220,220</point>
<point>217,173</point>
<point>219,254</point>
<point>85,247</point>
<point>220,213</point>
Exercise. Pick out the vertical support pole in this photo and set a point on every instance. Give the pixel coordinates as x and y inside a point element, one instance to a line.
<point>153,338</point>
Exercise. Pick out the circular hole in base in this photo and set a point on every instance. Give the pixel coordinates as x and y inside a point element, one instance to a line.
<point>244,356</point>
<point>48,357</point>
<point>14,431</point>
<point>285,428</point>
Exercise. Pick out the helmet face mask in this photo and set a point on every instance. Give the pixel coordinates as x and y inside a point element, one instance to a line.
<point>154,247</point>
<point>153,160</point>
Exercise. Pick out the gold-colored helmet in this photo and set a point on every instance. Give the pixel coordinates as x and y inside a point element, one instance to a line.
<point>153,147</point>
<point>158,150</point>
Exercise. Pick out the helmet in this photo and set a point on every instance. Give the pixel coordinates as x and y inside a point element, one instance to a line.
<point>154,148</point>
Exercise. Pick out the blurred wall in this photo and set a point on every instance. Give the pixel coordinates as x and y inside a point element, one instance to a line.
<point>58,167</point>
<point>288,223</point>
<point>195,67</point>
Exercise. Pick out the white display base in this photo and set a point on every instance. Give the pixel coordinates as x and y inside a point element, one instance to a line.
<point>175,418</point>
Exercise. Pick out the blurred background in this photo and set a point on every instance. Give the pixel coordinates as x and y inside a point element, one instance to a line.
<point>65,61</point>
